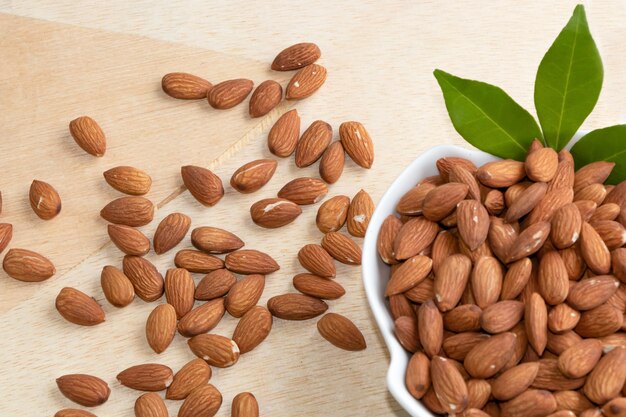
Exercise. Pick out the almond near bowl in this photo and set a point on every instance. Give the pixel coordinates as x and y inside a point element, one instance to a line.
<point>376,272</point>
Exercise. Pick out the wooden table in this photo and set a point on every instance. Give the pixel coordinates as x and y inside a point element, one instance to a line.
<point>105,59</point>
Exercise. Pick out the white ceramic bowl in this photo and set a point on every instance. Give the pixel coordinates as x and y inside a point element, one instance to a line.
<point>376,272</point>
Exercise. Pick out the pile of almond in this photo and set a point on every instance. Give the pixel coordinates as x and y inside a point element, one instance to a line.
<point>507,285</point>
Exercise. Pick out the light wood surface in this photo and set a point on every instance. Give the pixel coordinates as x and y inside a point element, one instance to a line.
<point>62,59</point>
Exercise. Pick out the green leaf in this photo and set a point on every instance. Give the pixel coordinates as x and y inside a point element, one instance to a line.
<point>487,117</point>
<point>568,82</point>
<point>608,144</point>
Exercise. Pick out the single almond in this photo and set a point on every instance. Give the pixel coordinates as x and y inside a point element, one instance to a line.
<point>266,96</point>
<point>412,201</point>
<point>245,294</point>
<point>432,403</point>
<point>494,202</point>
<point>185,86</point>
<point>542,164</point>
<point>296,306</point>
<point>593,173</point>
<point>549,204</point>
<point>459,345</point>
<point>502,316</point>
<point>531,403</point>
<point>536,321</point>
<point>303,191</point>
<point>216,350</point>
<point>445,245</point>
<point>612,233</point>
<point>146,279</point>
<point>83,389</point>
<point>245,405</point>
<point>429,328</point>
<point>249,261</point>
<point>407,332</point>
<point>252,176</point>
<point>313,143</point>
<point>529,241</point>
<point>359,214</point>
<point>332,162</point>
<point>88,135</point>
<point>28,266</point>
<point>357,143</point>
<point>486,280</point>
<point>592,292</point>
<point>609,211</point>
<point>458,173</point>
<point>129,211</point>
<point>565,226</point>
<point>479,392</point>
<point>464,318</point>
<point>342,248</point>
<point>516,278</point>
<point>442,200</point>
<point>203,401</point>
<point>593,192</point>
<point>489,356</point>
<point>172,229</point>
<point>6,234</point>
<point>341,332</point>
<point>272,213</point>
<point>572,400</point>
<point>500,174</point>
<point>283,136</point>
<point>514,381</point>
<point>400,305</point>
<point>204,185</point>
<point>215,284</point>
<point>128,180</point>
<point>228,94</point>
<point>161,327</point>
<point>146,377</point>
<point>607,378</point>
<point>409,274</point>
<point>564,175</point>
<point>332,214</point>
<point>253,328</point>
<point>73,412</point>
<point>197,261</point>
<point>594,250</point>
<point>617,195</point>
<point>449,385</point>
<point>318,287</point>
<point>562,318</point>
<point>600,321</point>
<point>580,359</point>
<point>202,318</point>
<point>558,343</point>
<point>78,308</point>
<point>553,278</point>
<point>417,378</point>
<point>527,200</point>
<point>179,290</point>
<point>305,82</point>
<point>116,286</point>
<point>296,56</point>
<point>215,240</point>
<point>150,405</point>
<point>472,223</point>
<point>501,237</point>
<point>44,200</point>
<point>551,378</point>
<point>128,239</point>
<point>315,259</point>
<point>444,166</point>
<point>194,374</point>
<point>451,280</point>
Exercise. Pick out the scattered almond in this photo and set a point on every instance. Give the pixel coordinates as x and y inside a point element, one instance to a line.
<point>86,390</point>
<point>128,239</point>
<point>128,180</point>
<point>296,307</point>
<point>304,190</point>
<point>296,56</point>
<point>341,332</point>
<point>88,135</point>
<point>313,143</point>
<point>332,214</point>
<point>197,261</point>
<point>194,374</point>
<point>204,186</point>
<point>215,240</point>
<point>272,213</point>
<point>359,213</point>
<point>266,96</point>
<point>44,200</point>
<point>179,290</point>
<point>283,136</point>
<point>172,229</point>
<point>203,401</point>
<point>28,266</point>
<point>78,308</point>
<point>150,405</point>
<point>252,329</point>
<point>185,86</point>
<point>318,287</point>
<point>228,94</point>
<point>244,405</point>
<point>315,259</point>
<point>332,163</point>
<point>146,280</point>
<point>250,261</point>
<point>161,327</point>
<point>244,294</point>
<point>116,286</point>
<point>129,211</point>
<point>146,377</point>
<point>357,143</point>
<point>252,176</point>
<point>305,82</point>
<point>216,350</point>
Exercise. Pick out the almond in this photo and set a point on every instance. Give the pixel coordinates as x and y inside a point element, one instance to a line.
<point>551,378</point>
<point>204,186</point>
<point>28,266</point>
<point>272,213</point>
<point>414,236</point>
<point>486,281</point>
<point>593,173</point>
<point>179,290</point>
<point>194,374</point>
<point>146,280</point>
<point>203,401</point>
<point>580,359</point>
<point>341,332</point>
<point>245,294</point>
<point>527,200</point>
<point>313,143</point>
<point>44,200</point>
<point>296,56</point>
<point>464,318</point>
<point>228,94</point>
<point>430,328</point>
<point>606,380</point>
<point>449,385</point>
<point>150,405</point>
<point>315,259</point>
<point>451,280</point>
<point>357,143</point>
<point>266,96</point>
<point>459,345</point>
<point>473,223</point>
<point>305,82</point>
<point>591,292</point>
<point>332,214</point>
<point>318,287</point>
<point>215,284</point>
<point>499,174</point>
<point>202,318</point>
<point>501,237</point>
<point>553,278</point>
<point>408,274</point>
<point>342,248</point>
<point>422,292</point>
<point>172,229</point>
<point>196,261</point>
<point>252,176</point>
<point>432,403</point>
<point>253,328</point>
<point>615,408</point>
<point>502,316</point>
<point>460,174</point>
<point>542,164</point>
<point>529,241</point>
<point>296,306</point>
<point>564,176</point>
<point>185,86</point>
<point>618,261</point>
<point>593,192</point>
<point>386,236</point>
<point>494,202</point>
<point>442,200</point>
<point>283,136</point>
<point>412,201</point>
<point>215,240</point>
<point>216,350</point>
<point>612,233</point>
<point>557,343</point>
<point>418,375</point>
<point>600,321</point>
<point>516,278</point>
<point>244,405</point>
<point>359,213</point>
<point>445,244</point>
<point>128,239</point>
<point>73,412</point>
<point>249,261</point>
<point>116,286</point>
<point>304,190</point>
<point>617,195</point>
<point>88,135</point>
<point>609,211</point>
<point>400,306</point>
<point>514,381</point>
<point>86,390</point>
<point>565,226</point>
<point>6,234</point>
<point>78,308</point>
<point>444,166</point>
<point>536,321</point>
<point>594,250</point>
<point>129,211</point>
<point>407,333</point>
<point>146,377</point>
<point>549,204</point>
<point>128,180</point>
<point>531,403</point>
<point>572,400</point>
<point>332,162</point>
<point>562,318</point>
<point>161,327</point>
<point>489,356</point>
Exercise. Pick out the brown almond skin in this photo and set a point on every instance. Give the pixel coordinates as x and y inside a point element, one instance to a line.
<point>228,94</point>
<point>342,248</point>
<point>408,275</point>
<point>442,200</point>
<point>116,286</point>
<point>283,136</point>
<point>489,356</point>
<point>78,308</point>
<point>531,403</point>
<point>313,143</point>
<point>245,405</point>
<point>332,163</point>
<point>128,239</point>
<point>204,185</point>
<point>430,328</point>
<point>542,164</point>
<point>202,318</point>
<point>412,201</point>
<point>129,211</point>
<point>407,332</point>
<point>413,237</point>
<point>615,408</point>
<point>341,332</point>
<point>459,345</point>
<point>215,284</point>
<point>572,400</point>
<point>332,214</point>
<point>146,377</point>
<point>451,280</point>
<point>296,56</point>
<point>88,135</point>
<point>203,401</point>
<point>185,86</point>
<point>502,316</point>
<point>417,378</point>
<point>359,214</point>
<point>150,405</point>
<point>594,250</point>
<point>266,96</point>
<point>215,240</point>
<point>245,294</point>
<point>591,292</point>
<point>448,384</point>
<point>73,412</point>
<point>216,350</point>
<point>161,327</point>
<point>606,380</point>
<point>250,261</point>
<point>464,318</point>
<point>305,82</point>
<point>486,281</point>
<point>252,176</point>
<point>527,200</point>
<point>386,236</point>
<point>472,223</point>
<point>147,281</point>
<point>6,233</point>
<point>86,390</point>
<point>357,143</point>
<point>444,166</point>
<point>296,307</point>
<point>499,174</point>
<point>318,287</point>
<point>273,213</point>
<point>316,260</point>
<point>580,359</point>
<point>252,329</point>
<point>600,321</point>
<point>44,200</point>
<point>128,180</point>
<point>194,374</point>
<point>304,191</point>
<point>593,173</point>
<point>179,290</point>
<point>172,229</point>
<point>28,266</point>
<point>514,381</point>
<point>197,261</point>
